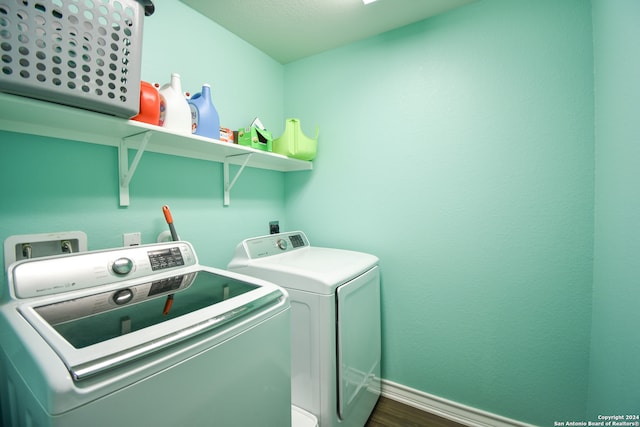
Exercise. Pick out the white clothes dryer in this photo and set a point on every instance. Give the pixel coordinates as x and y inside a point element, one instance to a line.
<point>335,322</point>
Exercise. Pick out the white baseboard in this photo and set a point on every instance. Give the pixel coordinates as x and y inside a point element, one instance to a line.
<point>445,408</point>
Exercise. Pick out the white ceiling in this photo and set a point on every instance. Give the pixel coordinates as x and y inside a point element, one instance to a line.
<point>288,30</point>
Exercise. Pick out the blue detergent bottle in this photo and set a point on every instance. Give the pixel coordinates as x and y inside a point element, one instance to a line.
<point>204,116</point>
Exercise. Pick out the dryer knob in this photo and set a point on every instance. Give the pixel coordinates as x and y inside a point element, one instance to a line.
<point>122,266</point>
<point>282,244</point>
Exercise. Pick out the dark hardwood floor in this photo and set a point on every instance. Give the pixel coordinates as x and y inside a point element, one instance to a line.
<point>390,413</point>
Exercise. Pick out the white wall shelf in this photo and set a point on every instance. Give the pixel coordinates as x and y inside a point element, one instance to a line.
<point>30,116</point>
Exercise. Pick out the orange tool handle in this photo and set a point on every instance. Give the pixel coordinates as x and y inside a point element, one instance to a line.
<point>167,214</point>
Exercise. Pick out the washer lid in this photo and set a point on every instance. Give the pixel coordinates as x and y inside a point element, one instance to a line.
<point>306,268</point>
<point>93,333</point>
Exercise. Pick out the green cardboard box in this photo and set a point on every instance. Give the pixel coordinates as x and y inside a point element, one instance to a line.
<point>253,137</point>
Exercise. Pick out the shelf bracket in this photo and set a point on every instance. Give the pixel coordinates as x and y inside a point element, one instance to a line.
<point>229,185</point>
<point>125,170</point>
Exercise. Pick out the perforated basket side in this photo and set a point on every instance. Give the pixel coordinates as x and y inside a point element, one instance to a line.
<point>82,53</point>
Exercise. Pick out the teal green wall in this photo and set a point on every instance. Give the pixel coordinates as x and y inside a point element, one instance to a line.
<point>57,185</point>
<point>615,360</point>
<point>460,150</point>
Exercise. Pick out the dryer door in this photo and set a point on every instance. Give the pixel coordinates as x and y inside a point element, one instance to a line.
<point>358,333</point>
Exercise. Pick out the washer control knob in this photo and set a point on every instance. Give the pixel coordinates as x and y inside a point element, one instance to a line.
<point>123,296</point>
<point>122,266</point>
<point>282,244</point>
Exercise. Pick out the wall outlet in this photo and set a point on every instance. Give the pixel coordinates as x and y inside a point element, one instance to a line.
<point>274,227</point>
<point>131,239</point>
<point>26,246</point>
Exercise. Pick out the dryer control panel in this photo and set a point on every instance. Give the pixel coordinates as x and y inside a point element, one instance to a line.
<point>273,244</point>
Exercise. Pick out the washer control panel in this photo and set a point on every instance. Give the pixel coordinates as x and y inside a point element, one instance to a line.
<point>166,258</point>
<point>274,244</point>
<point>45,276</point>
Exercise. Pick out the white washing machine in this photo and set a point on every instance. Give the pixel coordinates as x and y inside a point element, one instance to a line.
<point>142,336</point>
<point>335,322</point>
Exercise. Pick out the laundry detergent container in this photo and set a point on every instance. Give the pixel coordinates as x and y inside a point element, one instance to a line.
<point>294,143</point>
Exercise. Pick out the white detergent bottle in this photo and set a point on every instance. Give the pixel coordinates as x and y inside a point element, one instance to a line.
<point>174,108</point>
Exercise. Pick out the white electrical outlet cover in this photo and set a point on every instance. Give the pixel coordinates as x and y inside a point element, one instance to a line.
<point>131,239</point>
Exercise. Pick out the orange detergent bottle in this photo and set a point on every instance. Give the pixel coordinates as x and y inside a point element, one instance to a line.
<point>149,104</point>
